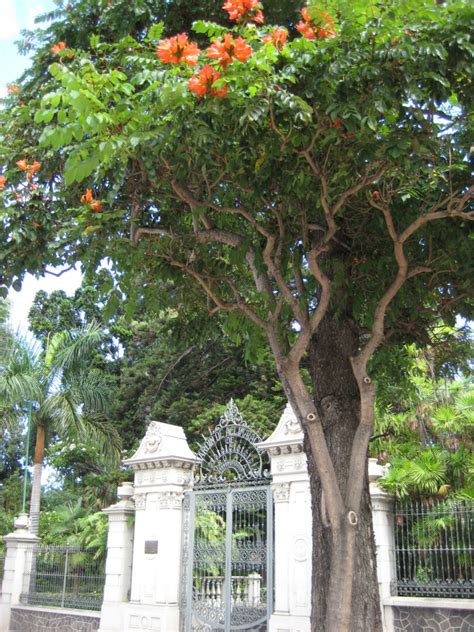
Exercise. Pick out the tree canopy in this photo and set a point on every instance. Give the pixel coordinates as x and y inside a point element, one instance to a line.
<point>304,173</point>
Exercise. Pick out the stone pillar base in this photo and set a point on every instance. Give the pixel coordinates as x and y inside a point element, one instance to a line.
<point>280,622</point>
<point>156,618</point>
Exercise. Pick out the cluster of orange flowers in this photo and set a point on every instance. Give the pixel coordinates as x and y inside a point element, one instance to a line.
<point>57,48</point>
<point>244,11</point>
<point>13,89</point>
<point>225,50</point>
<point>30,169</point>
<point>88,198</point>
<point>315,24</point>
<point>204,83</point>
<point>277,37</point>
<point>3,182</point>
<point>178,49</point>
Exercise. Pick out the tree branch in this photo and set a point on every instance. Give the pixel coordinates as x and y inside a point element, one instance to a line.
<point>160,232</point>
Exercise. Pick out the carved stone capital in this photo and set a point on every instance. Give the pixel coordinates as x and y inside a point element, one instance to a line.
<point>281,492</point>
<point>170,500</point>
<point>140,501</point>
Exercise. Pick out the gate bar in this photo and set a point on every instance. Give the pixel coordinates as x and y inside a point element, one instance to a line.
<point>269,561</point>
<point>228,562</point>
<point>190,545</point>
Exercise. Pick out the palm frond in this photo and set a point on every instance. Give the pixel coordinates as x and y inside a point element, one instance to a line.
<point>67,351</point>
<point>66,412</point>
<point>91,390</point>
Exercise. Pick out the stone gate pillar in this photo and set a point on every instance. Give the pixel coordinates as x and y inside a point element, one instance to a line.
<point>384,534</point>
<point>163,466</point>
<point>119,559</point>
<point>16,562</point>
<point>293,526</point>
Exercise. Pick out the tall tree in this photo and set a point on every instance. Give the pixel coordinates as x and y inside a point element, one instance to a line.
<point>59,392</point>
<point>315,190</point>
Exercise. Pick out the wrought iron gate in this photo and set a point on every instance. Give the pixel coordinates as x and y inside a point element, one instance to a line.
<point>228,534</point>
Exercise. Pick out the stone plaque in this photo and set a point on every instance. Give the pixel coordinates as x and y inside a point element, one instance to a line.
<point>151,547</point>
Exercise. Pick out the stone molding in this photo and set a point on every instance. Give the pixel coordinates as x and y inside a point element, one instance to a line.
<point>287,438</point>
<point>161,475</point>
<point>140,501</point>
<point>281,492</point>
<point>163,464</point>
<point>170,500</point>
<point>163,446</point>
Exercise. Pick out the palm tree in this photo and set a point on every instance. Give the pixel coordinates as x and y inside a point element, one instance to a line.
<point>66,397</point>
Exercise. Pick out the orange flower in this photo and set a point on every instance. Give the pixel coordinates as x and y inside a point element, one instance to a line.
<point>227,49</point>
<point>316,24</point>
<point>87,197</point>
<point>244,10</point>
<point>32,169</point>
<point>57,48</point>
<point>202,83</point>
<point>13,89</point>
<point>277,37</point>
<point>178,49</point>
<point>22,164</point>
<point>96,206</point>
<point>36,225</point>
<point>3,181</point>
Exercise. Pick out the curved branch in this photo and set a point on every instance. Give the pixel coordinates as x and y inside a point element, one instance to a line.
<point>160,232</point>
<point>220,304</point>
<point>301,345</point>
<point>359,362</point>
<point>262,282</point>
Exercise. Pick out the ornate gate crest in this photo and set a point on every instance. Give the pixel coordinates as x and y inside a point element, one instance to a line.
<point>229,456</point>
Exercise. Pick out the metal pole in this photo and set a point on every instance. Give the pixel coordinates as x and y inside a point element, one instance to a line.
<point>270,539</point>
<point>27,453</point>
<point>228,563</point>
<point>65,576</point>
<point>190,569</point>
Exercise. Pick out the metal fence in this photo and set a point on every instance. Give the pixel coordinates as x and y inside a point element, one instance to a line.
<point>433,546</point>
<point>63,577</point>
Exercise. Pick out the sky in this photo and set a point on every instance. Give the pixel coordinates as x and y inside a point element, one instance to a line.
<point>16,15</point>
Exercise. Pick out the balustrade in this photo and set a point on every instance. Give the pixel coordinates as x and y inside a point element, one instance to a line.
<point>245,590</point>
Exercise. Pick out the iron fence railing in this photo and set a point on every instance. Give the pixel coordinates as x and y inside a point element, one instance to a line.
<point>433,549</point>
<point>63,577</point>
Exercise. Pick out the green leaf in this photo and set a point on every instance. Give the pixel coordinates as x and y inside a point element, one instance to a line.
<point>155,32</point>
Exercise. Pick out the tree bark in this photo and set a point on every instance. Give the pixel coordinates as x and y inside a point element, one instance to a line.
<point>38,459</point>
<point>337,399</point>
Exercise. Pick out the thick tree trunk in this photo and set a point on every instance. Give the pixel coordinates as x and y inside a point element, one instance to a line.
<point>337,399</point>
<point>35,499</point>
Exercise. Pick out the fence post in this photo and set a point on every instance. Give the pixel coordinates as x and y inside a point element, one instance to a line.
<point>293,526</point>
<point>18,544</point>
<point>383,521</point>
<point>118,565</point>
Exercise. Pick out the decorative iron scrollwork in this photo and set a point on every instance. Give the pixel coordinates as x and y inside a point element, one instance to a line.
<point>228,455</point>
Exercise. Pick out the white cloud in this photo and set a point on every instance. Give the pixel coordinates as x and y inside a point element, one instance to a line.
<point>9,26</point>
